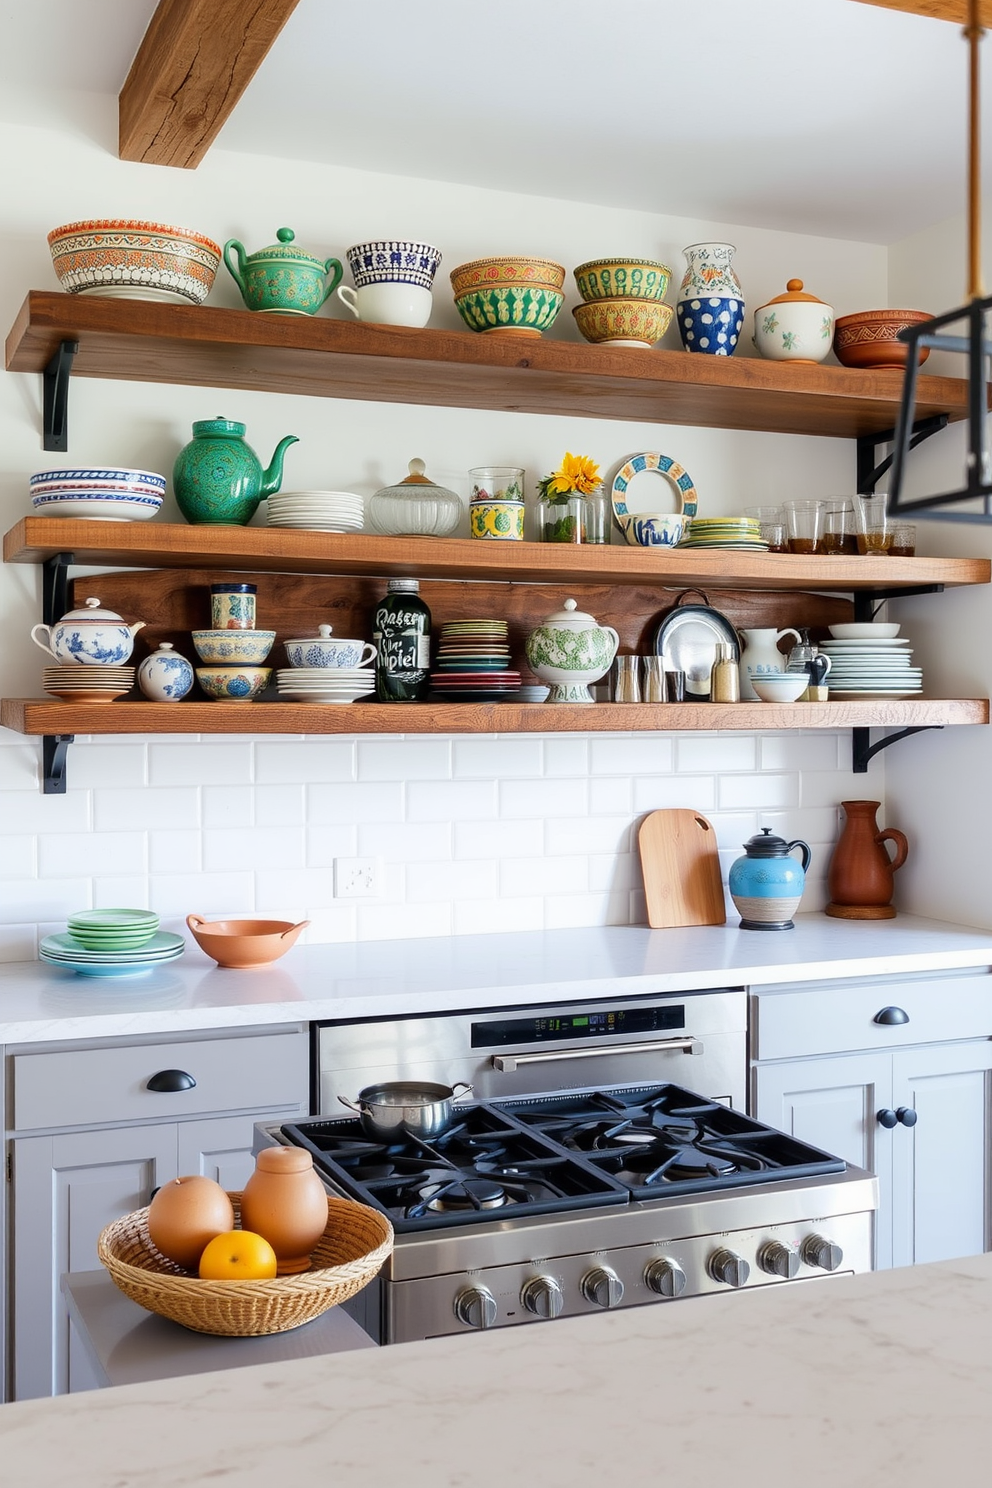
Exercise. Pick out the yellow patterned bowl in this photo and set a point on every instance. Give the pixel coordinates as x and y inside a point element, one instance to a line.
<point>622,279</point>
<point>134,260</point>
<point>487,273</point>
<point>623,322</point>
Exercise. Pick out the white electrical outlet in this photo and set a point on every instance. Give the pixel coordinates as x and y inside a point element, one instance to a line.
<point>356,878</point>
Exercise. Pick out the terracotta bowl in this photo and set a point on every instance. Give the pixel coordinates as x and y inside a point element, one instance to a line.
<point>869,338</point>
<point>134,260</point>
<point>244,943</point>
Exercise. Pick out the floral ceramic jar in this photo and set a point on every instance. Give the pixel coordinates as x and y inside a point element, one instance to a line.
<point>794,327</point>
<point>570,650</point>
<point>165,676</point>
<point>710,301</point>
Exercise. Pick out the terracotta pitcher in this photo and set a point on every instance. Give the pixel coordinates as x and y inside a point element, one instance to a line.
<point>860,873</point>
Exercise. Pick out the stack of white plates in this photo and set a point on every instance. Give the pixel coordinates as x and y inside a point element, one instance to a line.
<point>872,668</point>
<point>87,684</point>
<point>65,950</point>
<point>325,684</point>
<point>318,511</point>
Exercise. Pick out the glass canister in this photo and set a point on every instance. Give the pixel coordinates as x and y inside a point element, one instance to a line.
<point>415,507</point>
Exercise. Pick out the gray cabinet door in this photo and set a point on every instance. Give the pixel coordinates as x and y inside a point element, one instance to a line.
<point>221,1148</point>
<point>66,1188</point>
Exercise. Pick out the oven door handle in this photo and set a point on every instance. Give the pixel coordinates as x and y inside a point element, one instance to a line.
<point>507,1063</point>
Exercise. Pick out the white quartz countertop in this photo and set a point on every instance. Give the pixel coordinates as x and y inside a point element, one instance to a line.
<point>385,978</point>
<point>873,1381</point>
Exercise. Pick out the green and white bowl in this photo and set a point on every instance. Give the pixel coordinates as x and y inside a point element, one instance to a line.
<point>622,278</point>
<point>527,309</point>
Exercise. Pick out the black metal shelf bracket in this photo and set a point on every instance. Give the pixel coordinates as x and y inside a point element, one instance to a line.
<point>868,601</point>
<point>863,750</point>
<point>55,389</point>
<point>868,472</point>
<point>54,748</point>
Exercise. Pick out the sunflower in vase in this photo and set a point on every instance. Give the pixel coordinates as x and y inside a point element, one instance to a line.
<point>565,515</point>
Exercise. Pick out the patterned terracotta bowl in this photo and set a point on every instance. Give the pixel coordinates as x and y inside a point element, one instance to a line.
<point>870,338</point>
<point>527,309</point>
<point>134,260</point>
<point>622,278</point>
<point>484,273</point>
<point>623,322</point>
<point>233,684</point>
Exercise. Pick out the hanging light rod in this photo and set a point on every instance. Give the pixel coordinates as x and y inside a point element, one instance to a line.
<point>973,344</point>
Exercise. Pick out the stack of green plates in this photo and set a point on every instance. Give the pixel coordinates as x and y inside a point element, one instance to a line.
<point>112,929</point>
<point>741,533</point>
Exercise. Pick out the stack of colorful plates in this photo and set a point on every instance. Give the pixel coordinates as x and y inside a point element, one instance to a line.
<point>318,511</point>
<point>112,943</point>
<point>104,494</point>
<point>872,669</point>
<point>87,684</point>
<point>325,684</point>
<point>741,533</point>
<point>473,662</point>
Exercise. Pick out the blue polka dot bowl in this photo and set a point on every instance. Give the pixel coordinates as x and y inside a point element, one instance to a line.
<point>233,684</point>
<point>711,323</point>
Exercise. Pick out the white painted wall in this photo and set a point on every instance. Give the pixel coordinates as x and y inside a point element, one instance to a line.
<point>476,834</point>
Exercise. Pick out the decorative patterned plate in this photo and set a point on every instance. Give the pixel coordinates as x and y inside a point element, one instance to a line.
<point>672,471</point>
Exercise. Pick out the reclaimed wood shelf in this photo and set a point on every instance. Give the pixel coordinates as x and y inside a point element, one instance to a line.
<point>277,550</point>
<point>50,716</point>
<point>138,341</point>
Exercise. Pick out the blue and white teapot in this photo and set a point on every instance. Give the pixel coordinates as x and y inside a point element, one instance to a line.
<point>90,637</point>
<point>766,884</point>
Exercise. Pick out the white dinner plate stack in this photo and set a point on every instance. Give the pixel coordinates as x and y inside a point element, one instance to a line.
<point>317,511</point>
<point>872,669</point>
<point>325,684</point>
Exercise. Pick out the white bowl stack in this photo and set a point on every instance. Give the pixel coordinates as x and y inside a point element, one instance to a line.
<point>317,511</point>
<point>109,493</point>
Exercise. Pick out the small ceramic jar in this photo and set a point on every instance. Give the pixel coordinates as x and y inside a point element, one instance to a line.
<point>794,327</point>
<point>569,651</point>
<point>91,636</point>
<point>285,1201</point>
<point>165,676</point>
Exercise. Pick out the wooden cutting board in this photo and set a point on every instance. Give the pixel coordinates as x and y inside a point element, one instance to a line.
<point>681,869</point>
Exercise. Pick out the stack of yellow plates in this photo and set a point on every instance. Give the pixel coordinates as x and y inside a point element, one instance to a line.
<point>724,532</point>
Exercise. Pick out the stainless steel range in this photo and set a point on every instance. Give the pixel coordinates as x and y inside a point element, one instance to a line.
<point>584,1173</point>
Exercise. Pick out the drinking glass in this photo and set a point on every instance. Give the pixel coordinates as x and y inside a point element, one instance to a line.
<point>595,526</point>
<point>874,527</point>
<point>903,540</point>
<point>497,483</point>
<point>839,528</point>
<point>772,522</point>
<point>804,520</point>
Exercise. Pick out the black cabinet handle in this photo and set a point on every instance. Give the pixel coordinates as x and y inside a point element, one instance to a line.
<point>906,1115</point>
<point>891,1015</point>
<point>887,1118</point>
<point>167,1081</point>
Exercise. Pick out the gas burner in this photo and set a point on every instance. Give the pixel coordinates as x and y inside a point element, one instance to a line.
<point>466,1193</point>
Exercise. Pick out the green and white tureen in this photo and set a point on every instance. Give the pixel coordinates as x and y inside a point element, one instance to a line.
<point>570,650</point>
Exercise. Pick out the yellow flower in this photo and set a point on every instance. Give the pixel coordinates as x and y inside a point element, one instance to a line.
<point>576,473</point>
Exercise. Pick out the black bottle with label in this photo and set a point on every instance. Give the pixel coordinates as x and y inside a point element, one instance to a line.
<point>401,631</point>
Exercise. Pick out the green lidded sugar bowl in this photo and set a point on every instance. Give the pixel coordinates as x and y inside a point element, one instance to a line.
<point>569,651</point>
<point>282,278</point>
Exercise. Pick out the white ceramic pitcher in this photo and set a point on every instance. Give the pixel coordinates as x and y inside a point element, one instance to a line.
<point>761,656</point>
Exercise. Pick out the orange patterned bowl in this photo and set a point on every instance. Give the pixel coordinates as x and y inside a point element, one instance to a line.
<point>869,338</point>
<point>623,322</point>
<point>492,273</point>
<point>134,260</point>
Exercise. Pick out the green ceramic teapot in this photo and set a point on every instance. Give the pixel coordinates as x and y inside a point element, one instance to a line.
<point>218,478</point>
<point>281,278</point>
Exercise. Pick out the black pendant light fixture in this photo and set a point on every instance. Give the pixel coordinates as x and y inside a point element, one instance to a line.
<point>971,338</point>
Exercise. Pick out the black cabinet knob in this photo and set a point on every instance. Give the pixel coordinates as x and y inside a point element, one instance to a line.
<point>168,1081</point>
<point>887,1118</point>
<point>906,1115</point>
<point>890,1015</point>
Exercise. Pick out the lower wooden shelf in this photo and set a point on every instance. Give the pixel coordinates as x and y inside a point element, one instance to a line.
<point>50,716</point>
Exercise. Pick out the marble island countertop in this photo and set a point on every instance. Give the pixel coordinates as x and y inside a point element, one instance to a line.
<point>873,1381</point>
<point>378,979</point>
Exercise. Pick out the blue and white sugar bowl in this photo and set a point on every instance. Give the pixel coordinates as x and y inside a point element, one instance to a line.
<point>766,884</point>
<point>90,637</point>
<point>165,676</point>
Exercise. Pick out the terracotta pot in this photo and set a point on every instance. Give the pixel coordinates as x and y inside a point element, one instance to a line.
<point>286,1202</point>
<point>860,873</point>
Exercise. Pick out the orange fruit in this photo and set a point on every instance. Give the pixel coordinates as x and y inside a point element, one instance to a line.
<point>237,1255</point>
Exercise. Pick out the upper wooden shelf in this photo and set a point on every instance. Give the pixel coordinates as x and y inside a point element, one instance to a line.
<point>200,346</point>
<point>277,550</point>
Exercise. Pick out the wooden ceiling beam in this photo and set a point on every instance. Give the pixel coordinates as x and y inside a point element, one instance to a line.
<point>195,61</point>
<point>937,10</point>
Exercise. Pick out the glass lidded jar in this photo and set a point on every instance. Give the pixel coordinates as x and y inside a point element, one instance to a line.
<point>415,507</point>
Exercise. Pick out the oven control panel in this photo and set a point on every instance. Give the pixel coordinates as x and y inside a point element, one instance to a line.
<point>630,1276</point>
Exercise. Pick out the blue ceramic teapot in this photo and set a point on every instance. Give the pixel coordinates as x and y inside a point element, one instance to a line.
<point>766,884</point>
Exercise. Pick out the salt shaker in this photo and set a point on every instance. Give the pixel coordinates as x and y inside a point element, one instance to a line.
<point>725,682</point>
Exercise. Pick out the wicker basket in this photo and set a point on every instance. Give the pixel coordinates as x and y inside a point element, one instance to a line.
<point>348,1255</point>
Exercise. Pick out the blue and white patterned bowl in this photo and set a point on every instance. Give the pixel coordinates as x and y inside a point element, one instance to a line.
<point>100,507</point>
<point>233,684</point>
<point>652,529</point>
<point>104,480</point>
<point>233,647</point>
<point>393,261</point>
<point>329,653</point>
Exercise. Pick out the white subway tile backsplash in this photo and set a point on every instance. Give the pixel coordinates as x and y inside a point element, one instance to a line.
<point>336,805</point>
<point>98,763</point>
<point>451,800</point>
<point>121,890</point>
<point>758,790</point>
<point>798,751</point>
<point>329,923</point>
<point>829,788</point>
<point>26,899</point>
<point>409,842</point>
<point>30,811</point>
<point>216,763</point>
<point>695,792</point>
<point>402,921</point>
<point>304,888</point>
<point>71,854</point>
<point>573,911</point>
<point>451,882</point>
<point>566,754</point>
<point>711,753</point>
<point>280,805</point>
<point>611,873</point>
<point>20,763</point>
<point>271,848</point>
<point>324,844</point>
<point>733,828</point>
<point>19,942</point>
<point>593,834</point>
<point>130,810</point>
<point>498,839</point>
<point>227,806</point>
<point>649,754</point>
<point>404,759</point>
<point>543,798</point>
<point>528,877</point>
<point>476,917</point>
<point>611,795</point>
<point>509,756</point>
<point>310,762</point>
<point>19,855</point>
<point>175,852</point>
<point>215,896</point>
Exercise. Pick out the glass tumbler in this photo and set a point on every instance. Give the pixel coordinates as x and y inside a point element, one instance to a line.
<point>497,483</point>
<point>804,520</point>
<point>772,522</point>
<point>874,527</point>
<point>839,528</point>
<point>903,540</point>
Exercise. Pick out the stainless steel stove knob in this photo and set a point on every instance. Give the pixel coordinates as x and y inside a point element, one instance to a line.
<point>779,1260</point>
<point>665,1277</point>
<point>476,1306</point>
<point>602,1286</point>
<point>543,1297</point>
<point>816,1251</point>
<point>728,1267</point>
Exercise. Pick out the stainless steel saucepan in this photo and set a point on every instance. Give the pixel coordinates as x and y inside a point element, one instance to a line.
<point>405,1108</point>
